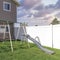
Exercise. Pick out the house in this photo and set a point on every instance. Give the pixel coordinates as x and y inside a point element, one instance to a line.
<point>8,12</point>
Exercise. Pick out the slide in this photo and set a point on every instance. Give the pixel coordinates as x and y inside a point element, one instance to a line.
<point>39,45</point>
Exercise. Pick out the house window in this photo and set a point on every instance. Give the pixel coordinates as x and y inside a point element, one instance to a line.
<point>6,6</point>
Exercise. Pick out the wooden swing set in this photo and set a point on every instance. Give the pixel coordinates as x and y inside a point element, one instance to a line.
<point>3,31</point>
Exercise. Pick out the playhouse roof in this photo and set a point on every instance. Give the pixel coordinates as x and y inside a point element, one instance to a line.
<point>16,2</point>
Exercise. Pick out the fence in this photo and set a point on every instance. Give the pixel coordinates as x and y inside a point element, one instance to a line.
<point>47,38</point>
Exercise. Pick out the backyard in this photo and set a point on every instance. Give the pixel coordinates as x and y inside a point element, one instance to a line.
<point>22,52</point>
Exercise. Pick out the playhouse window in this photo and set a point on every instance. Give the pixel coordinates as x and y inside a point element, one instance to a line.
<point>6,6</point>
<point>7,29</point>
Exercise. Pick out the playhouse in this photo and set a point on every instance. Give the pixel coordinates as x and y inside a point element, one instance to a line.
<point>8,13</point>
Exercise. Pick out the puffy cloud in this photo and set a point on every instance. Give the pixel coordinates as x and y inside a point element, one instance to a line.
<point>30,3</point>
<point>36,9</point>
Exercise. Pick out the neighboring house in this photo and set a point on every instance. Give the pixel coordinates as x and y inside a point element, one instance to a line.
<point>8,12</point>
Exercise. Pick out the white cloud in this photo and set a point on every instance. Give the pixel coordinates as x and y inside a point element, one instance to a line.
<point>43,14</point>
<point>51,14</point>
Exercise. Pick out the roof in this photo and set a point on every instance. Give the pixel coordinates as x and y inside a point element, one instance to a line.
<point>16,2</point>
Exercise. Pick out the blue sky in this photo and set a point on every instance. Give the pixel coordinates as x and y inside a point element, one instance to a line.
<point>47,2</point>
<point>42,9</point>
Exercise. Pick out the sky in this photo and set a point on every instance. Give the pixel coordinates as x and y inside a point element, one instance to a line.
<point>47,2</point>
<point>42,9</point>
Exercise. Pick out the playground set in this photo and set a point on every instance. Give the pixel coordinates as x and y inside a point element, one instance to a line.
<point>26,36</point>
<point>8,14</point>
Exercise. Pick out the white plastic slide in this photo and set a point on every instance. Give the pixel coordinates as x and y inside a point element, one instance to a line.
<point>39,45</point>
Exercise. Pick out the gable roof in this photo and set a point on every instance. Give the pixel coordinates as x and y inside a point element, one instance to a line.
<point>16,2</point>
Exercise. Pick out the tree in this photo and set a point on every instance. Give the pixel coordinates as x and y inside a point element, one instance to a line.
<point>55,21</point>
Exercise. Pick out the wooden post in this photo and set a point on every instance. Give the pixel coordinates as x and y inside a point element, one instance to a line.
<point>25,32</point>
<point>10,37</point>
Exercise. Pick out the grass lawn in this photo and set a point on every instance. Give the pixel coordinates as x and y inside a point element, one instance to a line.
<point>22,52</point>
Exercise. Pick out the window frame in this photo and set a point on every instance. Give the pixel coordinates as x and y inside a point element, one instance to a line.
<point>4,6</point>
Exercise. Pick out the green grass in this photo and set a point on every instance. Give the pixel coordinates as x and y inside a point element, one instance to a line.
<point>22,52</point>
